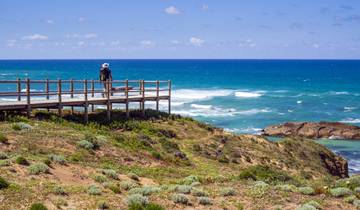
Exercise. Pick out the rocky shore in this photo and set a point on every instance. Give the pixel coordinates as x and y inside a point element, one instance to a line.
<point>314,130</point>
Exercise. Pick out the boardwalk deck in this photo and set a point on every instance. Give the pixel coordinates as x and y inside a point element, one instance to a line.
<point>66,93</point>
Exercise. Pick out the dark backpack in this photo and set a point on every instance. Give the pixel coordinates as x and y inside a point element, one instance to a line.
<point>104,74</point>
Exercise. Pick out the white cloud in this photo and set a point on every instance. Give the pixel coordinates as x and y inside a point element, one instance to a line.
<point>205,7</point>
<point>59,43</point>
<point>11,43</point>
<point>50,21</point>
<point>175,42</point>
<point>82,36</point>
<point>115,43</point>
<point>147,43</point>
<point>196,41</point>
<point>172,11</point>
<point>81,43</point>
<point>81,19</point>
<point>35,37</point>
<point>315,45</point>
<point>247,43</point>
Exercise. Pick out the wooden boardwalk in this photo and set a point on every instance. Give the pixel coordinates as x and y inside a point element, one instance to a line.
<point>26,95</point>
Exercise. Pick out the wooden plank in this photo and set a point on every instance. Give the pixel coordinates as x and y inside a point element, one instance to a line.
<point>60,98</point>
<point>157,95</point>
<point>19,89</point>
<point>143,98</point>
<point>92,94</point>
<point>72,93</point>
<point>28,98</point>
<point>127,98</point>
<point>107,82</point>
<point>86,104</point>
<point>169,101</point>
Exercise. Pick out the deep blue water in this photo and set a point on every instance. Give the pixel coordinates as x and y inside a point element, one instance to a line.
<point>239,95</point>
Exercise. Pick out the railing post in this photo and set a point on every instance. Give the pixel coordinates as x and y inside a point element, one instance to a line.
<point>143,98</point>
<point>108,100</point>
<point>92,94</point>
<point>19,89</point>
<point>47,91</point>
<point>127,98</point>
<point>60,97</point>
<point>72,93</point>
<point>140,93</point>
<point>157,95</point>
<point>28,98</point>
<point>86,116</point>
<point>169,108</point>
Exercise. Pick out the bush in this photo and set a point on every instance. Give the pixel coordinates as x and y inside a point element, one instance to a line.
<point>314,204</point>
<point>357,190</point>
<point>204,201</point>
<point>103,205</point>
<point>198,193</point>
<point>180,198</point>
<point>286,188</point>
<point>110,173</point>
<point>357,203</point>
<point>258,189</point>
<point>3,139</point>
<point>133,176</point>
<point>190,179</point>
<point>58,190</point>
<point>21,161</point>
<point>146,190</point>
<point>38,206</point>
<point>340,192</point>
<point>137,199</point>
<point>184,189</point>
<point>351,182</point>
<point>100,178</point>
<point>113,187</point>
<point>127,185</point>
<point>21,126</point>
<point>306,207</point>
<point>228,191</point>
<point>58,159</point>
<point>86,145</point>
<point>3,183</point>
<point>94,190</point>
<point>156,155</point>
<point>265,173</point>
<point>38,168</point>
<point>350,199</point>
<point>306,190</point>
<point>153,206</point>
<point>5,163</point>
<point>3,156</point>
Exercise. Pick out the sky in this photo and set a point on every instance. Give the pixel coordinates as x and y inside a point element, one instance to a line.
<point>180,29</point>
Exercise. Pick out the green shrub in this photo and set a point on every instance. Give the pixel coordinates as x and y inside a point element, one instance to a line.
<point>5,163</point>
<point>153,206</point>
<point>127,185</point>
<point>3,156</point>
<point>258,189</point>
<point>228,191</point>
<point>21,161</point>
<point>340,192</point>
<point>190,179</point>
<point>58,159</point>
<point>195,184</point>
<point>3,183</point>
<point>100,178</point>
<point>58,190</point>
<point>180,198</point>
<point>306,190</point>
<point>306,207</point>
<point>204,201</point>
<point>286,188</point>
<point>93,140</point>
<point>350,199</point>
<point>38,168</point>
<point>266,174</point>
<point>351,182</point>
<point>3,139</point>
<point>357,190</point>
<point>198,193</point>
<point>183,189</point>
<point>146,190</point>
<point>38,206</point>
<point>137,199</point>
<point>314,204</point>
<point>133,176</point>
<point>94,190</point>
<point>110,173</point>
<point>357,203</point>
<point>156,155</point>
<point>103,205</point>
<point>86,145</point>
<point>113,187</point>
<point>21,126</point>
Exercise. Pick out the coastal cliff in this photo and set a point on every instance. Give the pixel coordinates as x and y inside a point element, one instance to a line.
<point>160,162</point>
<point>315,130</point>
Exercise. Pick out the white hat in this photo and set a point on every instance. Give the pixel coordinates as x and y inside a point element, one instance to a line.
<point>105,65</point>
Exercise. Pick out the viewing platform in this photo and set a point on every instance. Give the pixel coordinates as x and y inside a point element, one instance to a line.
<point>27,95</point>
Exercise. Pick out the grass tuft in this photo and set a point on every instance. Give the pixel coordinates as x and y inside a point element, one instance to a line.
<point>3,183</point>
<point>340,192</point>
<point>180,198</point>
<point>228,191</point>
<point>38,206</point>
<point>21,161</point>
<point>38,168</point>
<point>94,190</point>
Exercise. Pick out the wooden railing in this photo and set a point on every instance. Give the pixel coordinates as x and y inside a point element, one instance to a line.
<point>87,92</point>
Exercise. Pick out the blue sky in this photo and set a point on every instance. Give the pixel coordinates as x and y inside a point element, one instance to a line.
<point>243,29</point>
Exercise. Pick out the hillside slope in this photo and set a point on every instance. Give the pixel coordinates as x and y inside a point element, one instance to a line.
<point>168,161</point>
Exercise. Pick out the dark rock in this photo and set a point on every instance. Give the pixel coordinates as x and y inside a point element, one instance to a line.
<point>313,130</point>
<point>180,155</point>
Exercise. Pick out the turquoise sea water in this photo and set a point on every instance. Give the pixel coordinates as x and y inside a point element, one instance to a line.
<point>242,96</point>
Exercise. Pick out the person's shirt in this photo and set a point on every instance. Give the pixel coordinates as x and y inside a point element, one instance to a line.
<point>105,74</point>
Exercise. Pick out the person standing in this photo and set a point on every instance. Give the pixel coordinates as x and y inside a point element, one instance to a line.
<point>105,75</point>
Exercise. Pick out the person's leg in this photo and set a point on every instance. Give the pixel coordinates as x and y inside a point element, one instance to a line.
<point>104,92</point>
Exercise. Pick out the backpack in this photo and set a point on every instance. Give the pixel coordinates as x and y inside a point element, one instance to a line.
<point>104,74</point>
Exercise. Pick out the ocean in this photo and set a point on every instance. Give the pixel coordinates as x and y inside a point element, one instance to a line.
<point>241,96</point>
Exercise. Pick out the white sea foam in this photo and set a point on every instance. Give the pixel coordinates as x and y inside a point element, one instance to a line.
<point>199,106</point>
<point>245,94</point>
<point>299,102</point>
<point>350,120</point>
<point>349,108</point>
<point>250,130</point>
<point>190,95</point>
